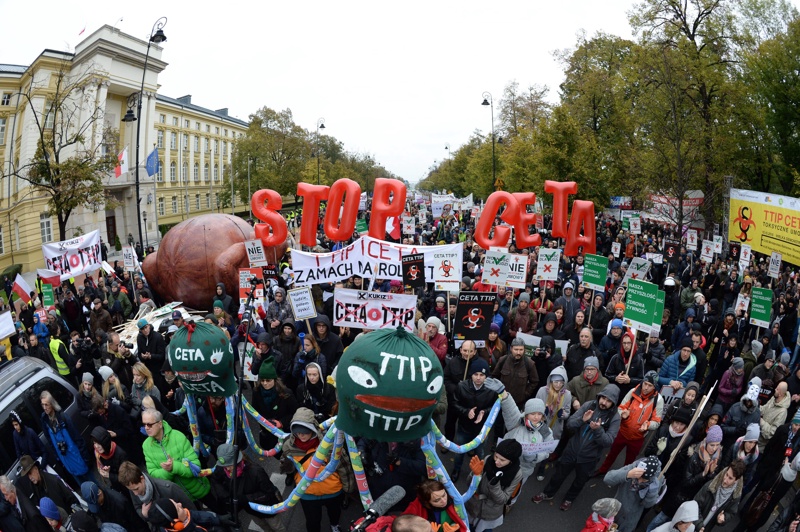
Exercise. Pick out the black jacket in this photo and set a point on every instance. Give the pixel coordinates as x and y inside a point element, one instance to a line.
<point>587,444</point>
<point>49,486</point>
<point>454,374</point>
<point>330,346</point>
<point>466,398</point>
<point>118,509</point>
<point>253,485</point>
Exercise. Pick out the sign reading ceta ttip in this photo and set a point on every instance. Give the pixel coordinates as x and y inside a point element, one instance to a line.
<point>359,309</point>
<point>595,271</point>
<point>760,307</point>
<point>767,222</point>
<point>640,304</point>
<point>71,258</point>
<point>389,200</point>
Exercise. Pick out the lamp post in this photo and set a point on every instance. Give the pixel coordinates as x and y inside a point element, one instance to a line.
<point>248,187</point>
<point>449,154</point>
<point>156,36</point>
<point>487,100</point>
<point>320,125</point>
<point>146,239</point>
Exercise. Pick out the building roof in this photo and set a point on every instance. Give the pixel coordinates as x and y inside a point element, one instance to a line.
<point>12,69</point>
<point>185,102</point>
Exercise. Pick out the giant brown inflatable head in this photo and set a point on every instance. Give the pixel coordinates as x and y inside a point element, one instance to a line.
<point>197,254</point>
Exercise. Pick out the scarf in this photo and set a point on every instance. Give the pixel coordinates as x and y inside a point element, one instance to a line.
<point>704,456</point>
<point>308,446</point>
<point>148,491</point>
<point>268,396</point>
<point>722,495</point>
<point>239,470</point>
<point>506,474</point>
<point>675,434</point>
<point>110,453</point>
<point>591,382</point>
<point>171,379</point>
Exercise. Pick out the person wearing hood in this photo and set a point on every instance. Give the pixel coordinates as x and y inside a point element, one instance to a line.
<point>718,500</point>
<point>435,339</point>
<point>594,427</point>
<point>545,356</point>
<point>604,512</point>
<point>274,401</point>
<point>228,304</point>
<point>569,303</point>
<point>288,344</point>
<point>599,318</point>
<point>741,415</point>
<point>665,441</point>
<point>766,370</point>
<point>521,318</point>
<point>528,427</point>
<point>773,414</point>
<point>689,401</point>
<point>626,368</point>
<point>578,352</point>
<point>679,368</point>
<point>264,350</point>
<point>640,410</point>
<point>639,486</point>
<point>109,457</point>
<point>110,506</point>
<point>278,311</point>
<point>731,384</point>
<point>711,318</point>
<point>684,328</point>
<point>549,327</point>
<point>144,489</point>
<point>329,342</point>
<point>298,449</point>
<point>609,345</point>
<point>310,353</point>
<point>499,474</point>
<point>653,352</point>
<point>315,394</point>
<point>558,405</point>
<point>518,373</point>
<point>35,483</point>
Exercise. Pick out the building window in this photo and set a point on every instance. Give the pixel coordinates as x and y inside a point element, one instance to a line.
<point>173,169</point>
<point>224,148</point>
<point>162,119</point>
<point>196,143</point>
<point>160,135</point>
<point>185,141</point>
<point>184,172</point>
<point>16,234</point>
<point>174,204</point>
<point>216,131</point>
<point>2,241</point>
<point>208,128</point>
<point>160,173</point>
<point>2,131</point>
<point>216,172</point>
<point>6,99</point>
<point>205,141</point>
<point>205,173</point>
<point>46,228</point>
<point>174,120</point>
<point>216,146</point>
<point>208,200</point>
<point>226,132</point>
<point>49,115</point>
<point>186,124</point>
<point>197,202</point>
<point>173,140</point>
<point>196,172</point>
<point>197,126</point>
<point>161,207</point>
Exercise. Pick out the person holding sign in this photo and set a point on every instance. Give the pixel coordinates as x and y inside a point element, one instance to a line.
<point>626,368</point>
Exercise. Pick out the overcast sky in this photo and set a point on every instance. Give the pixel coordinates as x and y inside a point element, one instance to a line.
<point>396,81</point>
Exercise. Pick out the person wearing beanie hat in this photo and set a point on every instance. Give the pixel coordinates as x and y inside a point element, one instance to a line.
<point>521,318</point>
<point>527,426</point>
<point>689,402</point>
<point>731,384</point>
<point>518,373</point>
<point>494,348</point>
<point>500,474</point>
<point>679,368</point>
<point>609,345</point>
<point>51,512</point>
<point>639,487</point>
<point>740,416</point>
<point>603,513</point>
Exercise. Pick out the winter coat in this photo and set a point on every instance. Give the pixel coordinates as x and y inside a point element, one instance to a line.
<point>438,343</point>
<point>49,486</point>
<point>555,416</point>
<point>609,346</point>
<point>641,410</point>
<point>454,373</point>
<point>330,346</point>
<point>586,444</point>
<point>516,429</point>
<point>683,330</point>
<point>288,347</point>
<point>773,415</point>
<point>490,498</point>
<point>118,509</point>
<point>467,397</point>
<point>28,442</point>
<point>175,445</point>
<point>730,387</point>
<point>229,305</point>
<point>519,377</point>
<point>252,485</point>
<point>663,433</point>
<point>162,489</point>
<point>416,508</point>
<point>674,370</point>
<point>654,357</point>
<point>599,323</point>
<point>735,422</point>
<point>77,457</point>
<point>279,412</point>
<point>618,364</point>
<point>321,402</point>
<point>119,304</point>
<point>705,500</point>
<point>408,474</point>
<point>692,480</point>
<point>154,344</point>
<point>581,390</point>
<point>111,457</point>
<point>634,502</point>
<point>279,311</point>
<point>576,354</point>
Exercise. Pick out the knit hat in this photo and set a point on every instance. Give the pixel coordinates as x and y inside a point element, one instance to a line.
<point>692,386</point>
<point>479,365</point>
<point>49,509</point>
<point>737,363</point>
<point>682,415</point>
<point>592,362</point>
<point>81,521</point>
<point>433,320</point>
<point>218,304</point>
<point>569,285</point>
<point>225,455</point>
<point>686,342</point>
<point>494,328</point>
<point>162,514</point>
<point>87,377</point>
<point>785,358</point>
<point>440,299</point>
<point>620,305</point>
<point>714,434</point>
<point>606,508</point>
<point>267,369</point>
<point>509,449</point>
<point>105,372</point>
<point>796,418</point>
<point>172,329</point>
<point>246,316</point>
<point>651,466</point>
<point>753,432</point>
<point>616,322</point>
<point>651,377</point>
<point>142,323</point>
<point>533,406</point>
<point>525,296</point>
<point>517,341</point>
<point>16,417</point>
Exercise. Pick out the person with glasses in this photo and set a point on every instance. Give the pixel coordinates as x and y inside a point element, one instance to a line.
<point>165,450</point>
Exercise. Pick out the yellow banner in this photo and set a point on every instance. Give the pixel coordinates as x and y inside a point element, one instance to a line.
<point>767,222</point>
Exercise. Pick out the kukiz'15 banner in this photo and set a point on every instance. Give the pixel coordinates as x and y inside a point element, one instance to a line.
<point>74,257</point>
<point>767,222</point>
<point>473,315</point>
<point>359,309</point>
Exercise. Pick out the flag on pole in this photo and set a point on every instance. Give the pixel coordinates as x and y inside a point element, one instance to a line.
<point>22,289</point>
<point>49,276</point>
<point>152,164</point>
<point>393,227</point>
<point>81,32</point>
<point>122,166</point>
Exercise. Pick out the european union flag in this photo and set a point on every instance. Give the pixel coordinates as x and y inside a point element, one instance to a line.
<point>152,165</point>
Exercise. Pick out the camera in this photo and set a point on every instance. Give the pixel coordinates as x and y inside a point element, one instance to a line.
<point>127,345</point>
<point>62,447</point>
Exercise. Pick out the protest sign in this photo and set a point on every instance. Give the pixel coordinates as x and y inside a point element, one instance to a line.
<point>302,303</point>
<point>616,247</point>
<point>71,258</point>
<point>369,257</point>
<point>531,343</point>
<point>717,244</point>
<point>670,395</point>
<point>129,258</point>
<point>775,265</point>
<point>691,239</point>
<point>245,274</point>
<point>637,270</point>
<point>408,225</point>
<point>707,251</point>
<point>745,254</point>
<point>48,298</point>
<point>531,449</point>
<point>495,267</point>
<point>655,258</point>
<point>742,304</point>
<point>414,270</point>
<point>734,250</point>
<point>636,225</point>
<point>672,251</point>
<point>270,271</point>
<point>760,307</point>
<point>373,310</point>
<point>248,350</point>
<point>447,270</point>
<point>595,271</point>
<point>655,328</point>
<point>442,205</point>
<point>362,227</point>
<point>547,264</point>
<point>474,312</point>
<point>255,253</point>
<point>517,271</point>
<point>362,202</point>
<point>640,304</point>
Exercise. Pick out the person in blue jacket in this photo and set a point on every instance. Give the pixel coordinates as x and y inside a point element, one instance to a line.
<point>26,441</point>
<point>679,368</point>
<point>67,442</point>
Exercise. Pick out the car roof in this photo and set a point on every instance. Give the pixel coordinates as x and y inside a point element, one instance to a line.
<point>15,372</point>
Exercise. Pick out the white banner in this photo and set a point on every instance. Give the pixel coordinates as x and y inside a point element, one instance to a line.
<point>71,258</point>
<point>636,225</point>
<point>359,309</point>
<point>302,303</point>
<point>547,264</point>
<point>442,205</point>
<point>707,251</point>
<point>129,258</point>
<point>616,247</point>
<point>775,265</point>
<point>464,204</point>
<point>408,225</point>
<point>255,253</point>
<point>362,202</point>
<point>637,269</point>
<point>717,244</point>
<point>369,257</point>
<point>691,240</point>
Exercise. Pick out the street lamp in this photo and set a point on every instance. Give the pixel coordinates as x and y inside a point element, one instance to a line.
<point>156,36</point>
<point>320,125</point>
<point>146,239</point>
<point>487,100</point>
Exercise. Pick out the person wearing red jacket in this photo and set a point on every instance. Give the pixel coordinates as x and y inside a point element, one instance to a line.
<point>435,505</point>
<point>603,513</point>
<point>435,339</point>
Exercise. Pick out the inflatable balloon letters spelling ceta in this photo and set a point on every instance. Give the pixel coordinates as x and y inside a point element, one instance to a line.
<point>389,199</point>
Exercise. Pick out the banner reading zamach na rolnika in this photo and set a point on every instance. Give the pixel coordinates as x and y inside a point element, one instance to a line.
<point>75,256</point>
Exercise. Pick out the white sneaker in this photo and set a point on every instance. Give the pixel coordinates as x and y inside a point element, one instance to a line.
<point>335,528</point>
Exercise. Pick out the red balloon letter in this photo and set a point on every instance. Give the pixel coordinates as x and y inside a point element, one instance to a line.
<point>341,222</point>
<point>560,191</point>
<point>490,210</point>
<point>266,205</point>
<point>525,239</point>
<point>382,208</point>
<point>312,196</point>
<point>582,215</point>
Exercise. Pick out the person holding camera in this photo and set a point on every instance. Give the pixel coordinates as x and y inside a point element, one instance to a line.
<point>119,358</point>
<point>70,448</point>
<point>84,351</point>
<point>119,306</point>
<point>151,349</point>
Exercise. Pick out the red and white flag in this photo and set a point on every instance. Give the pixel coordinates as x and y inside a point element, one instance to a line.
<point>393,227</point>
<point>122,166</point>
<point>22,289</point>
<point>49,276</point>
